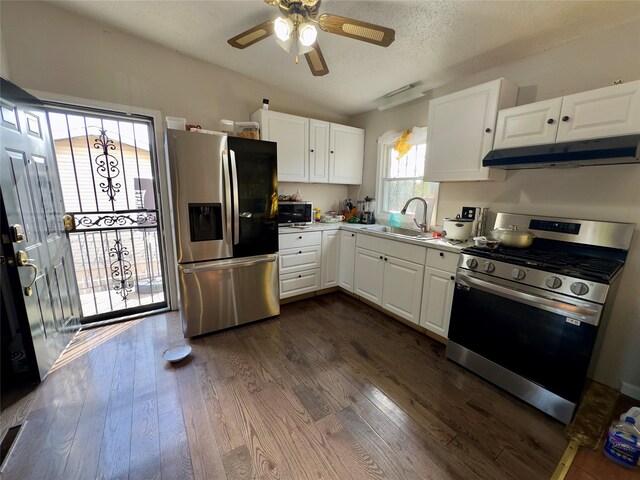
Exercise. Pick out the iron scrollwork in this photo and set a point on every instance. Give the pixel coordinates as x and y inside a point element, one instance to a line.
<point>139,219</point>
<point>121,269</point>
<point>107,165</point>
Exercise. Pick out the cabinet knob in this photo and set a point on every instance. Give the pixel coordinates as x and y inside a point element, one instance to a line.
<point>380,257</point>
<point>300,237</point>
<point>385,259</point>
<point>299,276</point>
<point>331,151</point>
<point>488,130</point>
<point>300,252</point>
<point>312,150</point>
<point>353,234</point>
<point>550,121</point>
<point>452,277</point>
<point>565,118</point>
<point>442,254</point>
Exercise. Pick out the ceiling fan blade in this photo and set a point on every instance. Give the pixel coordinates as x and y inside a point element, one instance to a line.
<point>348,27</point>
<point>253,35</point>
<point>316,62</point>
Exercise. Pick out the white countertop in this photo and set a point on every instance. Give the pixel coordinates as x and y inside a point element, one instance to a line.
<point>439,243</point>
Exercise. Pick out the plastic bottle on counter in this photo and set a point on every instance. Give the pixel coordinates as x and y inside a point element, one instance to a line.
<point>623,443</point>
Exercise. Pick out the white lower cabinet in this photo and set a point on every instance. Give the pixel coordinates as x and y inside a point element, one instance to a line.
<point>369,275</point>
<point>402,288</point>
<point>439,282</point>
<point>330,258</point>
<point>392,283</point>
<point>300,262</point>
<point>347,259</point>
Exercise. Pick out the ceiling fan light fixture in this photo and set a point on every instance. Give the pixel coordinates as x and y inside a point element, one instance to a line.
<point>307,34</point>
<point>283,28</point>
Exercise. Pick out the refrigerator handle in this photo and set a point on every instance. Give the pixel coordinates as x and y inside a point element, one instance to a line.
<point>227,190</point>
<point>236,207</point>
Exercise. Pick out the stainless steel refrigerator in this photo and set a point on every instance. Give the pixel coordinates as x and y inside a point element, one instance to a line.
<point>225,211</point>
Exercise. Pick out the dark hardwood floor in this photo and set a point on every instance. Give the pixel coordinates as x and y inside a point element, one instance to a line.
<point>330,389</point>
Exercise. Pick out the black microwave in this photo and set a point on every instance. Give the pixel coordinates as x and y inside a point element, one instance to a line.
<point>295,213</point>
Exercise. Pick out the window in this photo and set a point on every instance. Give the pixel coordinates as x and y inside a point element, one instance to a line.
<point>400,178</point>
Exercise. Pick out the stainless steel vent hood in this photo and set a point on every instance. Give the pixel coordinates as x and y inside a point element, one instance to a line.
<point>601,151</point>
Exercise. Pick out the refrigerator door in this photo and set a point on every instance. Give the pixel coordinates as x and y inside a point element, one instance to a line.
<point>255,193</point>
<point>225,293</point>
<point>201,195</point>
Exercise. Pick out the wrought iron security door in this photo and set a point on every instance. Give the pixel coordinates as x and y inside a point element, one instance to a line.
<point>107,168</point>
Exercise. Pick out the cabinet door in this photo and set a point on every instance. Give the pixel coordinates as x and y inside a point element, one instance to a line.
<point>318,151</point>
<point>605,112</point>
<point>347,259</point>
<point>461,130</point>
<point>532,124</point>
<point>402,288</point>
<point>291,133</point>
<point>346,154</point>
<point>330,258</point>
<point>369,271</point>
<point>436,301</point>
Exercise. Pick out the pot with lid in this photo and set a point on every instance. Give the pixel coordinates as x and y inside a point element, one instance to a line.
<point>457,228</point>
<point>512,237</point>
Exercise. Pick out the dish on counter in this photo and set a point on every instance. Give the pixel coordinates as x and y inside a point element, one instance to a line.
<point>334,219</point>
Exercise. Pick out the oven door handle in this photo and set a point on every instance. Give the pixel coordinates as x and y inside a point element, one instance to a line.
<point>582,313</point>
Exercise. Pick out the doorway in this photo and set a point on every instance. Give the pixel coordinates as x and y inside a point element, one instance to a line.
<point>107,167</point>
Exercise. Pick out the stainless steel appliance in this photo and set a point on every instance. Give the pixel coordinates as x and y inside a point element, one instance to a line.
<point>531,320</point>
<point>368,213</point>
<point>295,213</point>
<point>225,211</point>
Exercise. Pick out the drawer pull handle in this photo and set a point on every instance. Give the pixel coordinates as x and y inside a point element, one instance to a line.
<point>441,254</point>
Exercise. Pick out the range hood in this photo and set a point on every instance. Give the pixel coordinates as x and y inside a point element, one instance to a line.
<point>601,151</point>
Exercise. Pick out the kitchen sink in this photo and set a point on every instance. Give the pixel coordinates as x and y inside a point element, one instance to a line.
<point>405,232</point>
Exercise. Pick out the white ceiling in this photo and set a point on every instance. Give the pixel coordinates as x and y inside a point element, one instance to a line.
<point>437,42</point>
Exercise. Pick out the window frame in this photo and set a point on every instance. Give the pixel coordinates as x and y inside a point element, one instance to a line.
<point>382,216</point>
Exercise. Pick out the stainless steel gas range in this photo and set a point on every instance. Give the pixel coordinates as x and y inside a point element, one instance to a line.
<point>529,320</point>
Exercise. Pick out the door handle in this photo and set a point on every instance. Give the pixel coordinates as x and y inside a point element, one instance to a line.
<point>23,260</point>
<point>69,222</point>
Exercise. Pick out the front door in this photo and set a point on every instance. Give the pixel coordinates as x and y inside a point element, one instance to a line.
<point>32,197</point>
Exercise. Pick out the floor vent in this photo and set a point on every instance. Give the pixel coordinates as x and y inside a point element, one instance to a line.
<point>7,442</point>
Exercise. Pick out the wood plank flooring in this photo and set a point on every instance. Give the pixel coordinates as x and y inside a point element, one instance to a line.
<point>330,389</point>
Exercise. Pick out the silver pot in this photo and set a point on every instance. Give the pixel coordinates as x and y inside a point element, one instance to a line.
<point>512,237</point>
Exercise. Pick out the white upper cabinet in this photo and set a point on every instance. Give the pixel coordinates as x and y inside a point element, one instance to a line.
<point>291,133</point>
<point>605,112</point>
<point>311,150</point>
<point>346,154</point>
<point>461,130</point>
<point>532,124</point>
<point>318,151</point>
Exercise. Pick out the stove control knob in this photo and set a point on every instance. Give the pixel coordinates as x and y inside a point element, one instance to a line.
<point>517,273</point>
<point>488,267</point>
<point>553,282</point>
<point>579,288</point>
<point>472,263</point>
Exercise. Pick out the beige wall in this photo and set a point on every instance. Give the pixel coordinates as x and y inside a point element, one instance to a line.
<point>600,193</point>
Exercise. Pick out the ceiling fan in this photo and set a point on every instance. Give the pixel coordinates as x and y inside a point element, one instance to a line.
<point>296,31</point>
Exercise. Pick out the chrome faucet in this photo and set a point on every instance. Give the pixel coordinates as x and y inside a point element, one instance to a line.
<point>424,226</point>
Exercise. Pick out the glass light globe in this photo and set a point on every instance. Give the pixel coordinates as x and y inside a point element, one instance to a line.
<point>307,34</point>
<point>283,28</point>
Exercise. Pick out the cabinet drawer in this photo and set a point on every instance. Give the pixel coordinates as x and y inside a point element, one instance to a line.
<point>303,258</point>
<point>447,261</point>
<point>292,284</point>
<point>301,239</point>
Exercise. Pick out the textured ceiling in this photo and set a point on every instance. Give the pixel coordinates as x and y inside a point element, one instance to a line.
<point>437,42</point>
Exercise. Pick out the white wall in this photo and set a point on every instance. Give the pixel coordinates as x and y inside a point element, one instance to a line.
<point>600,193</point>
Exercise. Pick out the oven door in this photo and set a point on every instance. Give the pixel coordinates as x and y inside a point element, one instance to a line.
<point>544,337</point>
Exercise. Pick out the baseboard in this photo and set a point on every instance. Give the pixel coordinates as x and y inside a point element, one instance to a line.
<point>630,390</point>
